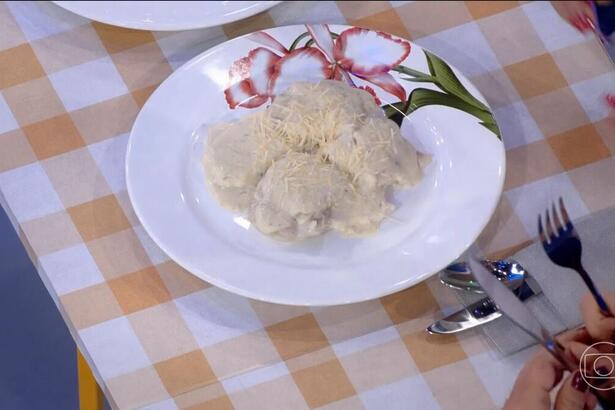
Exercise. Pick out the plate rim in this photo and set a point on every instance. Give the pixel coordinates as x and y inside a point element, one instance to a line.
<point>233,17</point>
<point>397,287</point>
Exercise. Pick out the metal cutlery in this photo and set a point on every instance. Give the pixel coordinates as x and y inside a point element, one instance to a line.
<point>562,244</point>
<point>485,310</point>
<point>459,276</point>
<point>518,313</point>
<point>479,313</point>
<point>476,314</point>
<point>521,316</point>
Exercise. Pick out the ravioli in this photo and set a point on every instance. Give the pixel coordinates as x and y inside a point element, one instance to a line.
<point>320,157</point>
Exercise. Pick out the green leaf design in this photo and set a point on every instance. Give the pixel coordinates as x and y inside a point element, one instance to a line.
<point>415,74</point>
<point>455,95</point>
<point>418,80</point>
<point>309,43</point>
<point>491,127</point>
<point>430,67</point>
<point>447,81</point>
<point>423,97</point>
<point>297,40</point>
<point>391,110</point>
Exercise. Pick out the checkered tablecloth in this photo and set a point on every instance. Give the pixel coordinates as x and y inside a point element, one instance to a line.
<point>159,338</point>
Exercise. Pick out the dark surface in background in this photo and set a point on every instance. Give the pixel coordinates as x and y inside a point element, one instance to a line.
<point>38,368</point>
<point>606,18</point>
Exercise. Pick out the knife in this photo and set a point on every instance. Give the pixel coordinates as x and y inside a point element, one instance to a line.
<point>521,316</point>
<point>481,312</point>
<point>518,313</point>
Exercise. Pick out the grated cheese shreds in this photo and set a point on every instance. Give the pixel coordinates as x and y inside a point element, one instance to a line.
<point>307,116</point>
<point>376,154</point>
<point>320,157</point>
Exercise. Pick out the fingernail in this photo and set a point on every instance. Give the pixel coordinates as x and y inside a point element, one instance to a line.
<point>589,22</point>
<point>580,25</point>
<point>578,383</point>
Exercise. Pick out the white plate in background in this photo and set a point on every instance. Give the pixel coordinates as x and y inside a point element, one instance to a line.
<point>166,15</point>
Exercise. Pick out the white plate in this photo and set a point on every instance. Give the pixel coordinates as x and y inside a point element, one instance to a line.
<point>166,15</point>
<point>434,223</point>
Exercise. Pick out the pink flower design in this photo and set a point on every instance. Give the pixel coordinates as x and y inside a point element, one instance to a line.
<point>356,52</point>
<point>249,77</point>
<point>366,54</point>
<point>372,92</point>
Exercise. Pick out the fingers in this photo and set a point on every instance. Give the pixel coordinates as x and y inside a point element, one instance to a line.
<point>579,334</point>
<point>543,370</point>
<point>578,13</point>
<point>599,327</point>
<point>573,395</point>
<point>576,350</point>
<point>583,22</point>
<point>592,401</point>
<point>536,381</point>
<point>537,378</point>
<point>574,342</point>
<point>589,360</point>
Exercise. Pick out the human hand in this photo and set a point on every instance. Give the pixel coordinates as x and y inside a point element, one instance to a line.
<point>578,13</point>
<point>599,327</point>
<point>543,373</point>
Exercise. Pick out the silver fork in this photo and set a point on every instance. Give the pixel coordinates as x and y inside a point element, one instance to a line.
<point>563,246</point>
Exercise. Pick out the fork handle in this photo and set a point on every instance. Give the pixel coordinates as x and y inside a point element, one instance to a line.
<point>604,308</point>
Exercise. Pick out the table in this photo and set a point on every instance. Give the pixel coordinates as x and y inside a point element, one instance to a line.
<point>157,337</point>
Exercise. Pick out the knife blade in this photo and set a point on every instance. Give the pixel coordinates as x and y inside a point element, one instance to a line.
<point>481,312</point>
<point>507,302</point>
<point>518,313</point>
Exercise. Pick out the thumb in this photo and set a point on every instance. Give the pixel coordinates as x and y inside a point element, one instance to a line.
<point>573,393</point>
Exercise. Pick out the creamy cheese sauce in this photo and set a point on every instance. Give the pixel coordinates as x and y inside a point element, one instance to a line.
<point>320,157</point>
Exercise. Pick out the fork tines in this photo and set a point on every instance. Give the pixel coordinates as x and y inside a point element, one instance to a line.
<point>561,224</point>
<point>563,246</point>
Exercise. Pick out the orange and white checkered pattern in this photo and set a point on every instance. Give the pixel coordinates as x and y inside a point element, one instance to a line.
<point>159,338</point>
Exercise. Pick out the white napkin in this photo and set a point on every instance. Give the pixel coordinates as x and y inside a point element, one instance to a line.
<point>557,308</point>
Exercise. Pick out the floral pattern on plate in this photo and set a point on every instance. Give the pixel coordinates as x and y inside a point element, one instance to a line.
<point>355,53</point>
